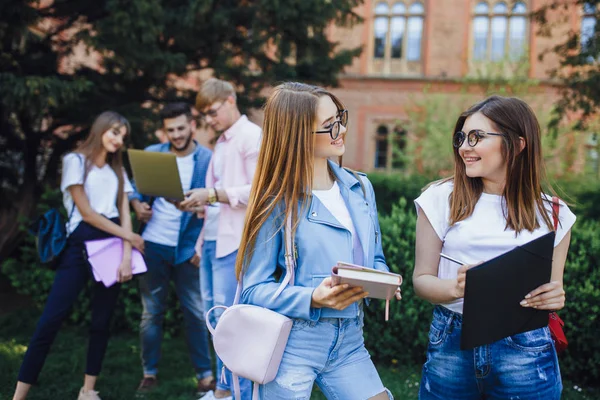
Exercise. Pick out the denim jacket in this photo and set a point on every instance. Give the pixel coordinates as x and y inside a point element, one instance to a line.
<point>190,224</point>
<point>320,242</point>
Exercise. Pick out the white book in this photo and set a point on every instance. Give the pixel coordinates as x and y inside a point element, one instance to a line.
<point>379,284</point>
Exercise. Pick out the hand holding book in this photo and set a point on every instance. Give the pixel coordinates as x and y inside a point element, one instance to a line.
<point>378,284</point>
<point>337,297</point>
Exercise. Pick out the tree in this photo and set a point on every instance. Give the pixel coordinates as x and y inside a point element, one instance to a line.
<point>579,56</point>
<point>136,50</point>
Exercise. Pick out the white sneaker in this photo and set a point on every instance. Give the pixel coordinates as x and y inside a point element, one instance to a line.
<point>210,395</point>
<point>88,395</point>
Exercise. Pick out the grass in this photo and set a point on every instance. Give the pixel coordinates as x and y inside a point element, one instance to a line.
<point>62,375</point>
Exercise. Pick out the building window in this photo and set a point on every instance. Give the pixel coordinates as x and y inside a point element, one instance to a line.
<point>588,28</point>
<point>390,144</point>
<point>499,31</point>
<point>397,37</point>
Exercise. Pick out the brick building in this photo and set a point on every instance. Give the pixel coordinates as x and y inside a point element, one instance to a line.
<point>413,45</point>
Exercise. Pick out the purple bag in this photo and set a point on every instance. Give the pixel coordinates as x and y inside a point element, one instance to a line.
<point>250,340</point>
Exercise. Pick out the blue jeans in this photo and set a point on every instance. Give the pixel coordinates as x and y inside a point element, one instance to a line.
<point>332,353</point>
<point>522,366</point>
<point>72,275</point>
<point>154,287</point>
<point>218,284</point>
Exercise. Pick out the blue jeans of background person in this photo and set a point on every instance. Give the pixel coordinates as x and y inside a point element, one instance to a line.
<point>522,366</point>
<point>154,287</point>
<point>218,283</point>
<point>330,352</point>
<point>72,275</point>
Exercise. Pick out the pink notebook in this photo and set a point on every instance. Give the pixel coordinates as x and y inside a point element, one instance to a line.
<point>105,257</point>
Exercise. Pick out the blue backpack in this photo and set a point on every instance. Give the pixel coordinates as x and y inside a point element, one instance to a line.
<point>50,236</point>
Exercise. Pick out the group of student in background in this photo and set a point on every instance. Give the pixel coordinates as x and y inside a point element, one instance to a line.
<point>230,226</point>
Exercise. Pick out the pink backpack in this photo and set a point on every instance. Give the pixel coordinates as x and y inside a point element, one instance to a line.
<point>250,340</point>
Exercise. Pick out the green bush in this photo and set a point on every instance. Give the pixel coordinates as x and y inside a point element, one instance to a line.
<point>29,277</point>
<point>391,187</point>
<point>582,358</point>
<point>403,339</point>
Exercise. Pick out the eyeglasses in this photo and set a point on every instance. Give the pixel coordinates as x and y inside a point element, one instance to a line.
<point>212,112</point>
<point>473,137</point>
<point>335,128</point>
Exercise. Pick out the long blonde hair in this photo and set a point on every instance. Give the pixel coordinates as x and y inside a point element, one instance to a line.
<point>285,163</point>
<point>92,147</point>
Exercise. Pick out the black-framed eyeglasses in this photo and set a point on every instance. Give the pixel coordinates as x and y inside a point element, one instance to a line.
<point>212,112</point>
<point>335,129</point>
<point>473,137</point>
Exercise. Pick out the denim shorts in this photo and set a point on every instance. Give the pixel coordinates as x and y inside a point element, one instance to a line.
<point>522,366</point>
<point>330,352</point>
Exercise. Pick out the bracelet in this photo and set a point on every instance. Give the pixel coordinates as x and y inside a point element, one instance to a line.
<point>216,195</point>
<point>212,198</point>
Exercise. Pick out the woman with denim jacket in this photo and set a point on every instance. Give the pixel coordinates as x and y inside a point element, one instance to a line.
<point>95,187</point>
<point>493,203</point>
<point>332,221</point>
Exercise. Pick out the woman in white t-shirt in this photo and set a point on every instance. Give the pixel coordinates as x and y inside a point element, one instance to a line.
<point>94,186</point>
<point>493,203</point>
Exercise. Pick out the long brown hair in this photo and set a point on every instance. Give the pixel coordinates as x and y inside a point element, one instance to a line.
<point>92,147</point>
<point>284,170</point>
<point>525,171</point>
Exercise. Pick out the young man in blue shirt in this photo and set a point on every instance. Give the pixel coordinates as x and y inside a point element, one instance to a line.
<point>170,236</point>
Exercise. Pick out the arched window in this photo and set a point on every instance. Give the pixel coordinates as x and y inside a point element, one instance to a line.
<point>390,144</point>
<point>381,29</point>
<point>518,31</point>
<point>397,36</point>
<point>499,31</point>
<point>381,147</point>
<point>588,27</point>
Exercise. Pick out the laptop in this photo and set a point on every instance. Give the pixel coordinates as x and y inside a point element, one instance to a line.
<point>156,174</point>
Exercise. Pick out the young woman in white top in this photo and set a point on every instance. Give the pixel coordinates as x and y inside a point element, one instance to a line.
<point>493,203</point>
<point>94,186</point>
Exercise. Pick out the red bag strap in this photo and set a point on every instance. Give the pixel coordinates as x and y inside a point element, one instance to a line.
<point>555,209</point>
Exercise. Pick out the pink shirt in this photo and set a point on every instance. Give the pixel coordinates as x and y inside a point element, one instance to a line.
<point>239,149</point>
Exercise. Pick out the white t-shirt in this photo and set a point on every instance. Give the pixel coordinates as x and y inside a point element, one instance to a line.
<point>211,218</point>
<point>332,199</point>
<point>482,236</point>
<point>101,186</point>
<point>163,227</point>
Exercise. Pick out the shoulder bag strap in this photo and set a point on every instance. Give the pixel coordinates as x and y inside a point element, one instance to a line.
<point>362,185</point>
<point>290,265</point>
<point>555,209</point>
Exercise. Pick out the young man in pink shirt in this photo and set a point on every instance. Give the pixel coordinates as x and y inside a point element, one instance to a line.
<point>224,200</point>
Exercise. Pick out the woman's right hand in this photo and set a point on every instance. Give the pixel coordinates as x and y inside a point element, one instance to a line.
<point>337,297</point>
<point>136,241</point>
<point>461,280</point>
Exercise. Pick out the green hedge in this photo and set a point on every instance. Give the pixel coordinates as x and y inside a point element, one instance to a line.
<point>403,339</point>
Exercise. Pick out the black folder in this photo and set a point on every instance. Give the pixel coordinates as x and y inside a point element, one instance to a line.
<point>495,288</point>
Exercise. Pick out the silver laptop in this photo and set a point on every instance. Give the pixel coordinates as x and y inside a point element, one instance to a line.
<point>156,174</point>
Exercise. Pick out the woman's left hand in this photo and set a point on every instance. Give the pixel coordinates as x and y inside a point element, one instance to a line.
<point>549,296</point>
<point>124,273</point>
<point>398,293</point>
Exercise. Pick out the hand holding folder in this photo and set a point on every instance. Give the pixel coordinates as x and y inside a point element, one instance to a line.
<point>105,257</point>
<point>495,289</point>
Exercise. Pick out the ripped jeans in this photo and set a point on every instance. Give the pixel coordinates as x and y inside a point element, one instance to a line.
<point>332,353</point>
<point>522,366</point>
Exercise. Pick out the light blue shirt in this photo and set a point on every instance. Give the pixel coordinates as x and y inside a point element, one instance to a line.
<point>320,242</point>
